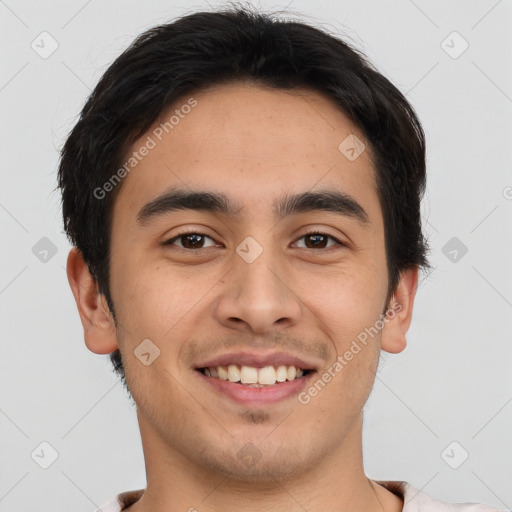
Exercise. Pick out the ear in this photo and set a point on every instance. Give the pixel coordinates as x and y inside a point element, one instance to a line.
<point>399,312</point>
<point>97,320</point>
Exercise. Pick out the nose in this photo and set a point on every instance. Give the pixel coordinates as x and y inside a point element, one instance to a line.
<point>258,296</point>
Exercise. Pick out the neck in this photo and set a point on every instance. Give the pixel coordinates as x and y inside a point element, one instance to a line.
<point>336,481</point>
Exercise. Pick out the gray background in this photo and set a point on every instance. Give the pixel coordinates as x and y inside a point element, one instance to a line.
<point>452,383</point>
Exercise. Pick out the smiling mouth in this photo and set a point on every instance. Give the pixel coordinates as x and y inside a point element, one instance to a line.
<point>251,376</point>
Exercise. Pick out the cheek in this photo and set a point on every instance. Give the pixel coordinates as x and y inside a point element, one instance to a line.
<point>350,323</point>
<point>161,305</point>
<point>149,297</point>
<point>348,300</point>
<point>347,309</point>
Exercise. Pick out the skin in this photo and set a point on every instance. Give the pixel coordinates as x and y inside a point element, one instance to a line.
<point>252,144</point>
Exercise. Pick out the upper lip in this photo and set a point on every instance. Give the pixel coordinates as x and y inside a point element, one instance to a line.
<point>258,360</point>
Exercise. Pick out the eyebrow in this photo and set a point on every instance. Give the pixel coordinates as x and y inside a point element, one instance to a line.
<point>328,200</point>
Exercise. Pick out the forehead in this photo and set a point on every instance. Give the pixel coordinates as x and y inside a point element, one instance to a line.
<point>251,143</point>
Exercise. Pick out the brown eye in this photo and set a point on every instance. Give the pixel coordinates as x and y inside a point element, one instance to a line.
<point>318,240</point>
<point>190,240</point>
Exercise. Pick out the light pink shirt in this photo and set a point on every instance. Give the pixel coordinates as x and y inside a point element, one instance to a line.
<point>414,500</point>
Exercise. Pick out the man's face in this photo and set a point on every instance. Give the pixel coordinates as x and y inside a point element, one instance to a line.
<point>251,288</point>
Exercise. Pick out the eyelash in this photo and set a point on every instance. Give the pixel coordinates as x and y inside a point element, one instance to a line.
<point>178,236</point>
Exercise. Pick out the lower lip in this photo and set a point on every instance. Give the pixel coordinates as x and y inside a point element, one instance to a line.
<point>247,395</point>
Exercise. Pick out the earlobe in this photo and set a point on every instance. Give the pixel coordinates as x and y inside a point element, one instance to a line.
<point>97,321</point>
<point>399,313</point>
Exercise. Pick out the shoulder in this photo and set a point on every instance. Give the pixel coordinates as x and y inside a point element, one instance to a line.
<point>121,501</point>
<point>416,500</point>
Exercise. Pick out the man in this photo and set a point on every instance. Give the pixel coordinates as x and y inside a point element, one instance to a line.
<point>243,196</point>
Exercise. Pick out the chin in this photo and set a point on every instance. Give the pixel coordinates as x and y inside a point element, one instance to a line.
<point>250,464</point>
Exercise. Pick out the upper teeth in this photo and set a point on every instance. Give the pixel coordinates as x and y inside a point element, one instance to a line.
<point>251,375</point>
